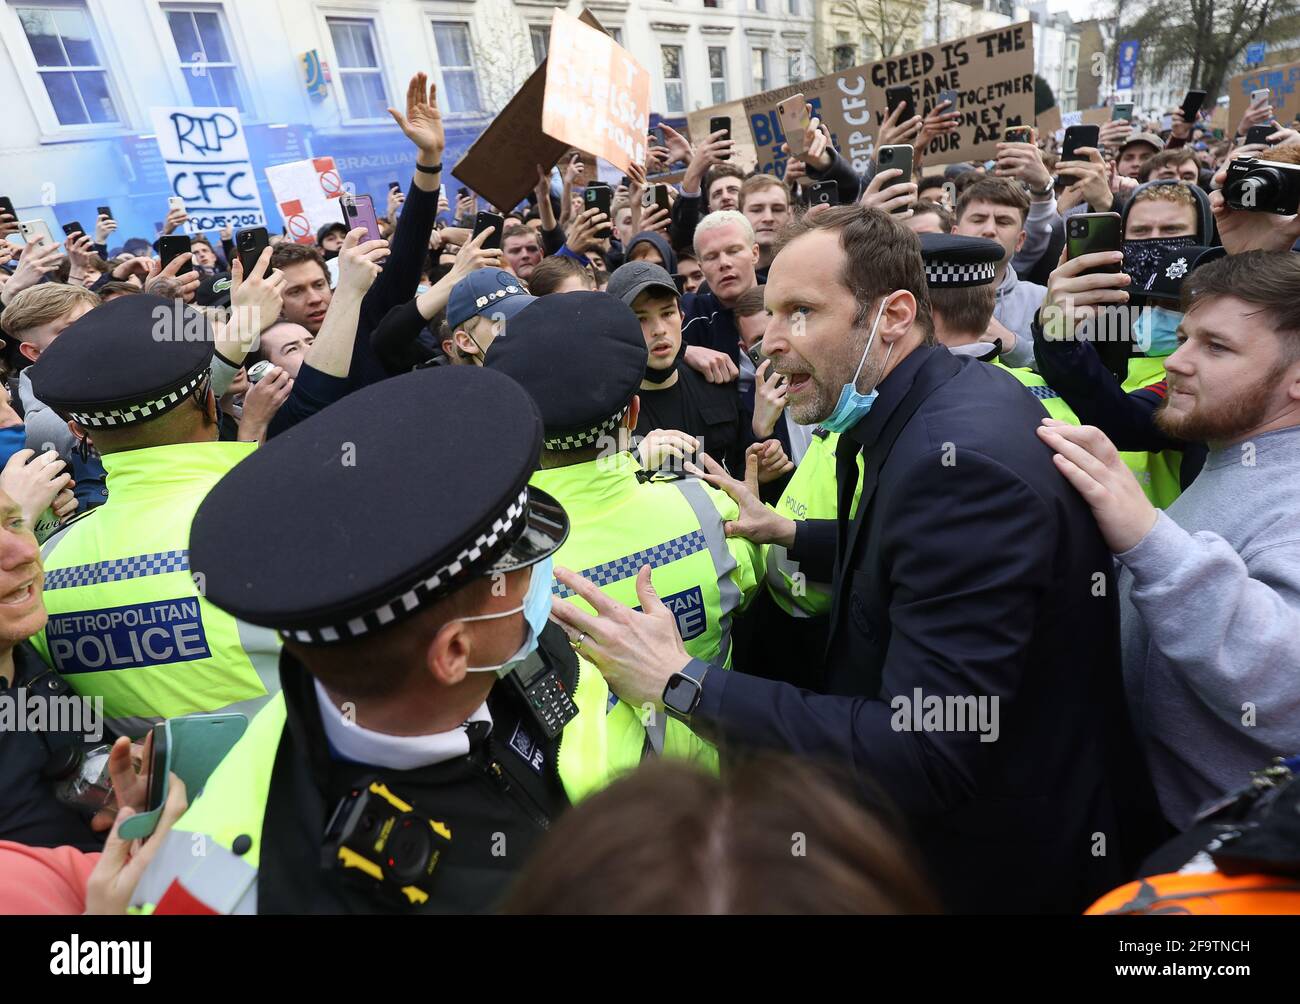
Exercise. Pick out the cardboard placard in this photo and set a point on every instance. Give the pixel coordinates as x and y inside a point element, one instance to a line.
<point>205,153</point>
<point>993,73</point>
<point>501,165</point>
<point>307,193</point>
<point>1049,121</point>
<point>597,97</point>
<point>1284,83</point>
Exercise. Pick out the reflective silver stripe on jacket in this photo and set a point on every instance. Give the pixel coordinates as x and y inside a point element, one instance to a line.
<point>211,873</point>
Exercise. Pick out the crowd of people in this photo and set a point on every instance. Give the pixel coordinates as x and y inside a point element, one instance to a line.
<point>721,553</point>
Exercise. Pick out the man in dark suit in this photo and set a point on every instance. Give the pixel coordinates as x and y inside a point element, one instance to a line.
<point>972,668</point>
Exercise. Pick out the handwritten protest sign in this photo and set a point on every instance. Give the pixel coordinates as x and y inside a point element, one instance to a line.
<point>501,165</point>
<point>598,96</point>
<point>205,154</point>
<point>992,73</point>
<point>307,194</point>
<point>1283,83</point>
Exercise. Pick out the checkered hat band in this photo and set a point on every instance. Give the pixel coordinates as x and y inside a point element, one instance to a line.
<point>417,595</point>
<point>137,412</point>
<point>943,274</point>
<point>577,440</point>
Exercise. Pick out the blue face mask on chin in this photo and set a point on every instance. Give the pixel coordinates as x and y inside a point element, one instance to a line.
<point>536,608</point>
<point>853,405</point>
<point>1156,331</point>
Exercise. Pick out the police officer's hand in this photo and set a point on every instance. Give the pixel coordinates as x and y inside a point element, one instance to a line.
<point>755,521</point>
<point>636,651</point>
<point>1073,298</point>
<point>772,461</point>
<point>34,481</point>
<point>359,262</point>
<point>120,867</point>
<point>715,366</point>
<point>1094,467</point>
<point>658,445</point>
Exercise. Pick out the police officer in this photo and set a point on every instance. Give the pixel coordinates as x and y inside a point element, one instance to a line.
<point>582,357</point>
<point>128,621</point>
<point>421,681</point>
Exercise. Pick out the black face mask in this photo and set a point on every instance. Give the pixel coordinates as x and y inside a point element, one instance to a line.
<point>659,376</point>
<point>1142,256</point>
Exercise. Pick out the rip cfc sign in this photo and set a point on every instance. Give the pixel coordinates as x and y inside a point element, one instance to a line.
<point>127,637</point>
<point>208,166</point>
<point>307,193</point>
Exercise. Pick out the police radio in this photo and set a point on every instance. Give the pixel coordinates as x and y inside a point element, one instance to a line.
<point>544,693</point>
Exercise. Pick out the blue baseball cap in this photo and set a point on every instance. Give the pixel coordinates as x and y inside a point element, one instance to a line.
<point>491,291</point>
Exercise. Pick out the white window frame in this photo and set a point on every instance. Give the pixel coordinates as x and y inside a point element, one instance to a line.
<point>714,81</point>
<point>353,12</point>
<point>681,68</point>
<point>532,27</point>
<point>766,83</point>
<point>440,17</point>
<point>234,40</point>
<point>38,98</point>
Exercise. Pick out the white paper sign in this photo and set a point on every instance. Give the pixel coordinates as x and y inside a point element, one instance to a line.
<point>307,194</point>
<point>206,156</point>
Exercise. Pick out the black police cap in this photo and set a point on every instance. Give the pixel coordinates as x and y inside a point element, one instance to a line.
<point>127,361</point>
<point>953,262</point>
<point>386,501</point>
<point>581,356</point>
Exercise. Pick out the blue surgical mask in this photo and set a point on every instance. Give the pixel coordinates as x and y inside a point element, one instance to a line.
<point>536,608</point>
<point>1156,331</point>
<point>853,405</point>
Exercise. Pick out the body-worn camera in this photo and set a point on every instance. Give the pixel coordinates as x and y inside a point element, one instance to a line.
<point>1263,186</point>
<point>375,835</point>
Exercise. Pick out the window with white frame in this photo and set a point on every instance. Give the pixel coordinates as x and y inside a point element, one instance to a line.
<point>674,82</point>
<point>69,62</point>
<point>718,73</point>
<point>540,36</point>
<point>1071,64</point>
<point>758,66</point>
<point>616,34</point>
<point>793,65</point>
<point>459,79</point>
<point>356,54</point>
<point>793,7</point>
<point>207,60</point>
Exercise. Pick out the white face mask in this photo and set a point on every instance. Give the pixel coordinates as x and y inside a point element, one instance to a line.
<point>536,608</point>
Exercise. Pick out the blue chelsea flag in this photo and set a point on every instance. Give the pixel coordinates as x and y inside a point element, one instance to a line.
<point>1128,57</point>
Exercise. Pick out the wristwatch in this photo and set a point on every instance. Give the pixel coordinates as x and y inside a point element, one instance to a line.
<point>682,692</point>
<point>1046,190</point>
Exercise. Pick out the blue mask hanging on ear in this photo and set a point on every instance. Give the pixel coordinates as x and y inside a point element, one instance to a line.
<point>537,610</point>
<point>853,405</point>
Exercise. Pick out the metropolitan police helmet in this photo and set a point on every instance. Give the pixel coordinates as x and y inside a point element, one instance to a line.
<point>581,356</point>
<point>125,362</point>
<point>399,507</point>
<point>953,262</point>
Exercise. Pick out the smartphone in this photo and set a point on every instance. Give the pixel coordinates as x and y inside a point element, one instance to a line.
<point>721,123</point>
<point>1122,110</point>
<point>1076,137</point>
<point>898,157</point>
<point>484,220</point>
<point>1259,134</point>
<point>1019,134</point>
<point>175,202</point>
<point>657,136</point>
<point>35,229</point>
<point>394,186</point>
<point>895,96</point>
<point>191,747</point>
<point>172,246</point>
<point>1259,97</point>
<point>7,206</point>
<point>250,244</point>
<point>359,211</point>
<point>656,195</point>
<point>951,97</point>
<point>104,211</point>
<point>793,113</point>
<point>73,228</point>
<point>599,196</point>
<point>1192,105</point>
<point>824,193</point>
<point>1087,233</point>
